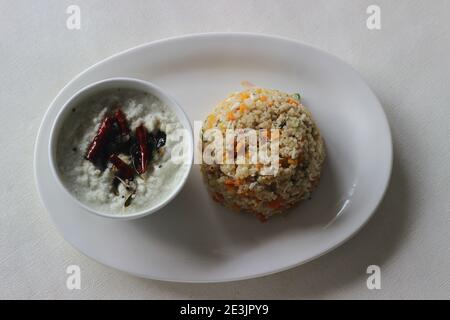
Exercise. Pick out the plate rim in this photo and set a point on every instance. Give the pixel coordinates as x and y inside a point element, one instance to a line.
<point>389,151</point>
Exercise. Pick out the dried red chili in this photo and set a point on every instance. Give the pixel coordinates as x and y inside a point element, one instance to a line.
<point>100,140</point>
<point>144,152</point>
<point>121,120</point>
<point>124,171</point>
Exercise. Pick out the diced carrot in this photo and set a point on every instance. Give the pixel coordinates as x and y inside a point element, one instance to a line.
<point>244,95</point>
<point>293,101</point>
<point>275,204</point>
<point>243,108</point>
<point>230,188</point>
<point>229,182</point>
<point>230,116</point>
<point>263,98</point>
<point>233,182</point>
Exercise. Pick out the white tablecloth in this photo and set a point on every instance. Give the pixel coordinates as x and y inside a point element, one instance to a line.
<point>406,63</point>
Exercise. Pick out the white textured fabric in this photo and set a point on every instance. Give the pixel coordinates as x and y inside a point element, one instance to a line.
<point>406,63</point>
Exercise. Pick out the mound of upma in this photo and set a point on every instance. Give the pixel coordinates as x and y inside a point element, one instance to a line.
<point>248,184</point>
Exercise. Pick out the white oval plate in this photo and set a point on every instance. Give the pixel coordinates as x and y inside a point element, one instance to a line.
<point>195,240</point>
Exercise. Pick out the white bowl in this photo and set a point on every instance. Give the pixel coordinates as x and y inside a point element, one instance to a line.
<point>122,83</point>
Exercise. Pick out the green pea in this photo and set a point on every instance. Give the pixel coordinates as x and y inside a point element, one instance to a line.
<point>297,96</point>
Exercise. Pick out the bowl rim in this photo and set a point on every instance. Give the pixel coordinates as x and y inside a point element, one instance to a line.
<point>136,84</point>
